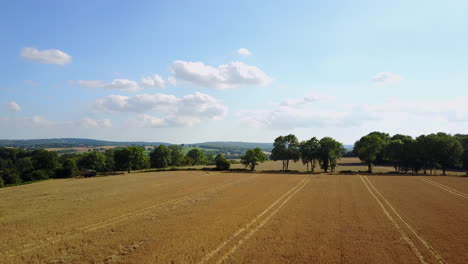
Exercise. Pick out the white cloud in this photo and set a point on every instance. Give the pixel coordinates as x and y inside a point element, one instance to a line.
<point>232,75</point>
<point>37,121</point>
<point>51,56</point>
<point>307,99</point>
<point>171,110</point>
<point>93,123</point>
<point>155,81</point>
<point>392,113</point>
<point>243,52</point>
<point>124,85</point>
<point>13,107</point>
<point>383,78</point>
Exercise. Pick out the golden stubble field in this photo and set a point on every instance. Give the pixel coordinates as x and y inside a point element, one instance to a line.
<point>219,217</point>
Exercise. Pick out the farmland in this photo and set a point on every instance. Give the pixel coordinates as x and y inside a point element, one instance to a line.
<point>215,217</point>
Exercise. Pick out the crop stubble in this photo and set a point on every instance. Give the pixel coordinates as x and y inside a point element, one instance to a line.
<point>211,217</point>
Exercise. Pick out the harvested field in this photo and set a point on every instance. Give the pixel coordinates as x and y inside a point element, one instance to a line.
<point>220,217</point>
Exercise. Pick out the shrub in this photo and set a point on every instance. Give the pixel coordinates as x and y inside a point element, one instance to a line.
<point>27,176</point>
<point>40,175</point>
<point>222,163</point>
<point>11,178</point>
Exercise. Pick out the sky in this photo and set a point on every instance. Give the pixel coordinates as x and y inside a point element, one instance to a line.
<point>194,71</point>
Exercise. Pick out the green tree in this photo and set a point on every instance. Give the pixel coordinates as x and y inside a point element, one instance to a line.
<point>24,166</point>
<point>131,158</point>
<point>177,156</point>
<point>382,156</point>
<point>222,163</point>
<point>110,164</point>
<point>160,157</point>
<point>252,157</point>
<point>368,148</point>
<point>309,152</point>
<point>329,152</point>
<point>463,139</point>
<point>69,169</point>
<point>286,148</point>
<point>44,160</point>
<point>92,160</point>
<point>196,157</point>
<point>449,152</point>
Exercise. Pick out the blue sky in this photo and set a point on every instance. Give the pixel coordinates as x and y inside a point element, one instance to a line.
<point>191,71</point>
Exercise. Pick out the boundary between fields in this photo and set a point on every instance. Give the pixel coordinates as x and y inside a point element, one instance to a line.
<point>408,240</point>
<point>117,219</point>
<point>446,188</point>
<point>285,197</point>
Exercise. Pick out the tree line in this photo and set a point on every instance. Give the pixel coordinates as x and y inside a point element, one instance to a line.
<point>324,152</point>
<point>18,165</point>
<point>424,153</point>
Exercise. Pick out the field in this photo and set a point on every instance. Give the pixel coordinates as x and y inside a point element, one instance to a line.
<point>216,217</point>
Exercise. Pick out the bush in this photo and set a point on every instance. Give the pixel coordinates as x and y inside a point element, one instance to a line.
<point>40,175</point>
<point>11,178</point>
<point>222,163</point>
<point>27,176</point>
<point>61,173</point>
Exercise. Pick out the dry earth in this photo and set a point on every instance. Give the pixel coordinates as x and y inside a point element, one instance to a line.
<point>215,217</point>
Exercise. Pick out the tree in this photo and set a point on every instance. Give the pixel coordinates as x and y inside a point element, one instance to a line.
<point>329,152</point>
<point>286,148</point>
<point>110,164</point>
<point>309,152</point>
<point>177,156</point>
<point>450,152</point>
<point>196,157</point>
<point>24,166</point>
<point>160,157</point>
<point>92,160</point>
<point>131,158</point>
<point>252,157</point>
<point>382,156</point>
<point>222,163</point>
<point>463,139</point>
<point>368,148</point>
<point>69,169</point>
<point>44,160</point>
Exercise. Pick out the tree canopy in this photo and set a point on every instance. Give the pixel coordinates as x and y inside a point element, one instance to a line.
<point>252,157</point>
<point>286,148</point>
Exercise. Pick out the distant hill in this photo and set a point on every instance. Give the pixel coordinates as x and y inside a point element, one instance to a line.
<point>84,142</point>
<point>222,146</point>
<point>71,143</point>
<point>233,145</point>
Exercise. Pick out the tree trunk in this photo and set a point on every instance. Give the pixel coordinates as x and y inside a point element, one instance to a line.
<point>287,165</point>
<point>370,167</point>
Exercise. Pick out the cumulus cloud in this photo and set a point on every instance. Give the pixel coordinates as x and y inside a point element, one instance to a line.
<point>384,78</point>
<point>124,85</point>
<point>50,56</point>
<point>243,52</point>
<point>155,81</point>
<point>170,109</point>
<point>286,116</point>
<point>226,76</point>
<point>13,107</point>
